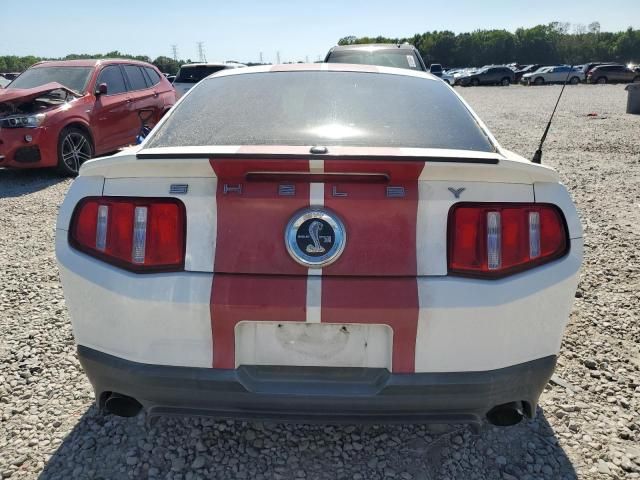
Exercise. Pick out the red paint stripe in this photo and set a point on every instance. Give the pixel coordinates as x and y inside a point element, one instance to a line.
<point>381,245</point>
<point>387,301</point>
<point>250,243</point>
<point>235,298</point>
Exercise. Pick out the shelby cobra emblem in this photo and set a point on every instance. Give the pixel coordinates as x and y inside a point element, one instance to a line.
<point>315,238</point>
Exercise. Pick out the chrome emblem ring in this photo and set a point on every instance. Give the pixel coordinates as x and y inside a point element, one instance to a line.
<point>315,238</point>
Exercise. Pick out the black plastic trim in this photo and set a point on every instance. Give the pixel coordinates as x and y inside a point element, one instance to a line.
<point>326,394</point>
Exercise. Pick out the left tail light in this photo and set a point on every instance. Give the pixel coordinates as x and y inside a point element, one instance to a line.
<point>137,234</point>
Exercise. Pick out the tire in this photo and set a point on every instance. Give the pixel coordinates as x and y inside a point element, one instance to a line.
<point>74,148</point>
<point>475,82</point>
<point>539,81</point>
<point>505,82</point>
<point>574,81</point>
<point>601,80</point>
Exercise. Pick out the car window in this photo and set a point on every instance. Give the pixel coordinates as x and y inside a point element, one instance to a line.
<point>136,77</point>
<point>74,78</point>
<point>112,76</point>
<point>153,75</point>
<point>388,57</point>
<point>195,73</point>
<point>322,108</point>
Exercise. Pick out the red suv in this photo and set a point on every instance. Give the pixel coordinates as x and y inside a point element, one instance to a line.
<point>63,113</point>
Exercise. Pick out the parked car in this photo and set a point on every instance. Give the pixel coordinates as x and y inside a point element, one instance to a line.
<point>488,75</point>
<point>447,77</point>
<point>226,268</point>
<point>612,74</point>
<point>527,69</point>
<point>384,54</point>
<point>587,67</point>
<point>4,81</point>
<point>191,73</point>
<point>62,113</point>
<point>557,74</point>
<point>435,69</point>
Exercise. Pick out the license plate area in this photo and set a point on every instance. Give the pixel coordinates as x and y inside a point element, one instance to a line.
<point>313,344</point>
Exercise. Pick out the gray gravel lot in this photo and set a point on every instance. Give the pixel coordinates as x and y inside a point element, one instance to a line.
<point>588,424</point>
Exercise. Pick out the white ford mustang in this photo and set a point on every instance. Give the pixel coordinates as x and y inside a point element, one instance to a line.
<point>328,241</point>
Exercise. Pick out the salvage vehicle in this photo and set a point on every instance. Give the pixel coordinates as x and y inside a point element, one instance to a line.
<point>328,242</point>
<point>191,73</point>
<point>556,74</point>
<point>527,69</point>
<point>612,74</point>
<point>487,75</point>
<point>402,55</point>
<point>62,113</point>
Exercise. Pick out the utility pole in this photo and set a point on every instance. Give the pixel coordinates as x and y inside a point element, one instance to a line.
<point>201,54</point>
<point>261,61</point>
<point>174,51</point>
<point>306,59</point>
<point>278,56</point>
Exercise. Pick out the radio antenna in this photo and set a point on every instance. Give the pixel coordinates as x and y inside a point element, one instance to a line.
<point>537,157</point>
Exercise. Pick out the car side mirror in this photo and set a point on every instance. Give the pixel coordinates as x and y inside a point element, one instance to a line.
<point>102,89</point>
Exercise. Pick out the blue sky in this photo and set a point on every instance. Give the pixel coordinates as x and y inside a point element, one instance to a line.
<point>241,29</point>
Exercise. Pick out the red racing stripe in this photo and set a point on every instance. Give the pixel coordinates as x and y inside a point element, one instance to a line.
<point>380,250</point>
<point>254,279</point>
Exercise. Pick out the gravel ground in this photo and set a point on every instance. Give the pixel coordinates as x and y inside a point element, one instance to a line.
<point>588,423</point>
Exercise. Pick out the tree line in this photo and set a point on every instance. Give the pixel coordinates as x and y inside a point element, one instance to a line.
<point>555,43</point>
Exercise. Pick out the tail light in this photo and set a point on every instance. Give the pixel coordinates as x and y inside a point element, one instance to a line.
<point>138,234</point>
<point>494,240</point>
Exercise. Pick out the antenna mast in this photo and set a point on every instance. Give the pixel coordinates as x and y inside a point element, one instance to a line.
<point>537,157</point>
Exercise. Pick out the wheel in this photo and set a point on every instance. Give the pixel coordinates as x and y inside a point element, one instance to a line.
<point>601,80</point>
<point>74,148</point>
<point>539,81</point>
<point>505,82</point>
<point>475,82</point>
<point>574,81</point>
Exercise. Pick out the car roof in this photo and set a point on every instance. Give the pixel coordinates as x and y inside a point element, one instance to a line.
<point>372,47</point>
<point>89,62</point>
<point>326,67</point>
<point>214,64</point>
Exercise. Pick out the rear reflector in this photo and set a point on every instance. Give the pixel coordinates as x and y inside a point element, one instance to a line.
<point>138,234</point>
<point>494,240</point>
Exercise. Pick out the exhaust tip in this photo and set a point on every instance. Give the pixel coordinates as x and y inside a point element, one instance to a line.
<point>122,406</point>
<point>506,415</point>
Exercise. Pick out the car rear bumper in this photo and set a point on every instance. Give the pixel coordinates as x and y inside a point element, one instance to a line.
<point>307,394</point>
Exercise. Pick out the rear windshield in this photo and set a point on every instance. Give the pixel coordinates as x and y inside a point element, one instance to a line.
<point>188,74</point>
<point>322,108</point>
<point>391,57</point>
<point>74,78</point>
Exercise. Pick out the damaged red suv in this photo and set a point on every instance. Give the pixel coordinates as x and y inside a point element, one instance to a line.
<point>60,114</point>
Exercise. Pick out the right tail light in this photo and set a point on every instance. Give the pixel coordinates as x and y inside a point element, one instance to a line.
<point>497,239</point>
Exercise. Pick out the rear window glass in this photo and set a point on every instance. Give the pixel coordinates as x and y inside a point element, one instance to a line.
<point>153,75</point>
<point>391,57</point>
<point>194,74</point>
<point>322,108</point>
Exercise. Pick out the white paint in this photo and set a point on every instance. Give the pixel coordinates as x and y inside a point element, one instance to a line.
<point>314,295</point>
<point>316,345</point>
<point>474,324</point>
<point>316,166</point>
<point>316,194</point>
<point>161,318</point>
